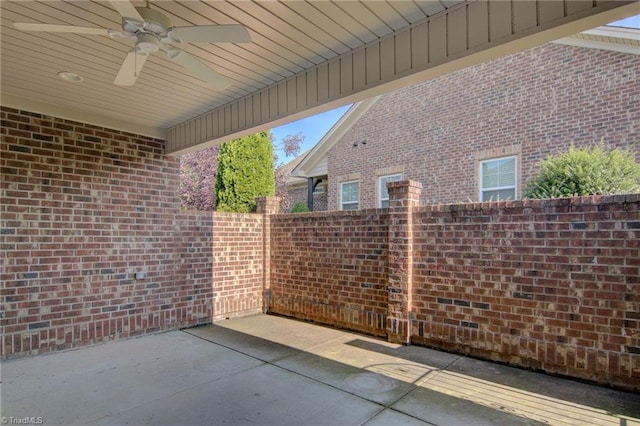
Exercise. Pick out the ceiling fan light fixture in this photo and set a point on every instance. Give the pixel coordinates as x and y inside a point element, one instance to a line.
<point>147,43</point>
<point>70,76</point>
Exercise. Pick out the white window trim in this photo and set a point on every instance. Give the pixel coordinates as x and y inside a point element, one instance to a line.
<point>380,199</point>
<point>481,190</point>
<point>349,202</point>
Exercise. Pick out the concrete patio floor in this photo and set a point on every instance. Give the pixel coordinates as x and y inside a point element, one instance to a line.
<point>268,370</point>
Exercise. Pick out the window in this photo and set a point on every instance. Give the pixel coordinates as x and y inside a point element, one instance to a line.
<point>383,193</point>
<point>349,195</point>
<point>498,179</point>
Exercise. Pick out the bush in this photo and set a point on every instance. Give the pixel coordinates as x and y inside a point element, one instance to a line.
<point>588,171</point>
<point>300,207</point>
<point>245,171</point>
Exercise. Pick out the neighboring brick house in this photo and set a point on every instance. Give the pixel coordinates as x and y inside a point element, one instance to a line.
<point>298,188</point>
<point>479,133</point>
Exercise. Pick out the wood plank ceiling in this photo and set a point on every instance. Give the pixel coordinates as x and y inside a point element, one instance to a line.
<point>288,38</point>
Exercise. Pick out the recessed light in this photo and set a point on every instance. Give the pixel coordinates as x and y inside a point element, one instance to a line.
<point>70,76</point>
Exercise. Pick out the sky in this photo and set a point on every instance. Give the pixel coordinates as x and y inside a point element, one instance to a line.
<point>315,127</point>
<point>632,22</point>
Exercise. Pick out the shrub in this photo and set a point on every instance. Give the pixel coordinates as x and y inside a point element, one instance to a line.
<point>589,171</point>
<point>245,171</point>
<point>300,207</point>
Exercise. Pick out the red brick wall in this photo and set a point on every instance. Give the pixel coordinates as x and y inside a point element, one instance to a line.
<point>331,268</point>
<point>238,264</point>
<point>83,209</point>
<point>529,104</point>
<point>546,284</point>
<point>299,194</point>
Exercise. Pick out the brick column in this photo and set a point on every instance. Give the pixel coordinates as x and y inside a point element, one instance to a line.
<point>403,197</point>
<point>267,206</point>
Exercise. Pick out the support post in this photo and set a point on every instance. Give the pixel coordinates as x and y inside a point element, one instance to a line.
<point>267,206</point>
<point>310,188</point>
<point>403,197</point>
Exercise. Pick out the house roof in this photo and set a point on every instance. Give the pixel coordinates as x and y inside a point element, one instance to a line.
<point>304,57</point>
<point>314,163</point>
<point>288,168</point>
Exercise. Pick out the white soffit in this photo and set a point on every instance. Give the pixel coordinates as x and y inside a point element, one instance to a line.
<point>465,34</point>
<point>616,39</point>
<point>305,57</point>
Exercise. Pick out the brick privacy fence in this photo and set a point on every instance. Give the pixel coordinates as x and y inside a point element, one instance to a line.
<point>546,284</point>
<point>83,209</point>
<point>331,268</point>
<point>240,273</point>
<point>552,285</point>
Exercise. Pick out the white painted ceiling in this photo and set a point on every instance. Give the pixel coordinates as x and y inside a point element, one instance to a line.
<point>287,37</point>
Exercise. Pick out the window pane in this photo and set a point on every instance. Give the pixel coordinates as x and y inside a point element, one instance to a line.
<point>489,180</point>
<point>349,192</point>
<point>507,172</point>
<point>498,179</point>
<point>499,173</point>
<point>349,195</point>
<point>350,206</point>
<point>384,193</point>
<point>499,195</point>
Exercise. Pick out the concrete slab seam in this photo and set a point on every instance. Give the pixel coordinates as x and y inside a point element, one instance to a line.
<point>272,363</point>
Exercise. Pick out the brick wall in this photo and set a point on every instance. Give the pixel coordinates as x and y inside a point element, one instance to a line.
<point>331,268</point>
<point>238,264</point>
<point>553,285</point>
<point>547,284</point>
<point>528,104</point>
<point>299,194</point>
<point>83,209</point>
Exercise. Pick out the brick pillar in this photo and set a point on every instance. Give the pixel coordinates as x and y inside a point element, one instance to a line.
<point>267,206</point>
<point>403,197</point>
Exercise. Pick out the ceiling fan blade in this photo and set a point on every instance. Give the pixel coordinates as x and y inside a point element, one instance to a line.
<point>126,9</point>
<point>130,69</point>
<point>198,68</point>
<point>24,26</point>
<point>210,34</point>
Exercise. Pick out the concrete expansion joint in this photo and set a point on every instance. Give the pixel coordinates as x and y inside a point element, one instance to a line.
<point>273,363</point>
<point>435,372</point>
<point>382,410</point>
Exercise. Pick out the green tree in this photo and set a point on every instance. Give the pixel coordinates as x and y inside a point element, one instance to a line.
<point>245,171</point>
<point>589,171</point>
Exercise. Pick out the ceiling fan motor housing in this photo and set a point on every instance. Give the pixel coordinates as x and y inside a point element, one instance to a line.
<point>147,43</point>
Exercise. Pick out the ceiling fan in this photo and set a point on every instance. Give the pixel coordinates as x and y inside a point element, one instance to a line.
<point>152,31</point>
